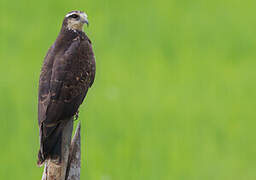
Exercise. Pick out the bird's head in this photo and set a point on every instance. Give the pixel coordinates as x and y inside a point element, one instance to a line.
<point>75,20</point>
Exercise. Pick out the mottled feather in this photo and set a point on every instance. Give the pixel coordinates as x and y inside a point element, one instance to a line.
<point>66,75</point>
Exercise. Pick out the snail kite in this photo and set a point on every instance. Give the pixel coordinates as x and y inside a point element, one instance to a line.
<point>67,73</point>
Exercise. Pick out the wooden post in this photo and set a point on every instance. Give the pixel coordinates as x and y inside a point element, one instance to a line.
<point>74,162</point>
<point>70,164</point>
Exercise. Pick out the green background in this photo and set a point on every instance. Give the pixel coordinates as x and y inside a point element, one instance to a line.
<point>174,95</point>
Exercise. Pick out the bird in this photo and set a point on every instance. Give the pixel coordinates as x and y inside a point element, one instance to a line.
<point>68,71</point>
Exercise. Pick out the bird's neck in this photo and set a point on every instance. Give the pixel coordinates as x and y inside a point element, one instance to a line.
<point>66,37</point>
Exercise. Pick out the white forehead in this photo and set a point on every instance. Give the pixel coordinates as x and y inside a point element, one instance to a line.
<point>75,12</point>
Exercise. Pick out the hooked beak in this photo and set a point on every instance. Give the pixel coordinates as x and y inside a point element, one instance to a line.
<point>86,22</point>
<point>84,19</point>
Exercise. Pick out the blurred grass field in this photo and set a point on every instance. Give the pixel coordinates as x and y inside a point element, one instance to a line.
<point>174,95</point>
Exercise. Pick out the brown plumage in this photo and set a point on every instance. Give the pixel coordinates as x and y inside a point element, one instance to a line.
<point>67,73</point>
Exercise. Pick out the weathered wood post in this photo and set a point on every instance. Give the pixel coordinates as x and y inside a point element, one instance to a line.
<point>74,161</point>
<point>69,169</point>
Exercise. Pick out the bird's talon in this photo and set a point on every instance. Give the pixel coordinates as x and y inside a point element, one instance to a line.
<point>76,115</point>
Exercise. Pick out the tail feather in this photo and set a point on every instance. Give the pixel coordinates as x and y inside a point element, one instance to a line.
<point>50,143</point>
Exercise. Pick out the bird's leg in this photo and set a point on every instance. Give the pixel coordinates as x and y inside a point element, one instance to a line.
<point>76,115</point>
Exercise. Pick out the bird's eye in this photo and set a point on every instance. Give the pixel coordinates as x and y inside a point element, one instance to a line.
<point>74,16</point>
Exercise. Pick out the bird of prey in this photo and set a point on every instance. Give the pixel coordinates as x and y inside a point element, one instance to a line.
<point>67,73</point>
